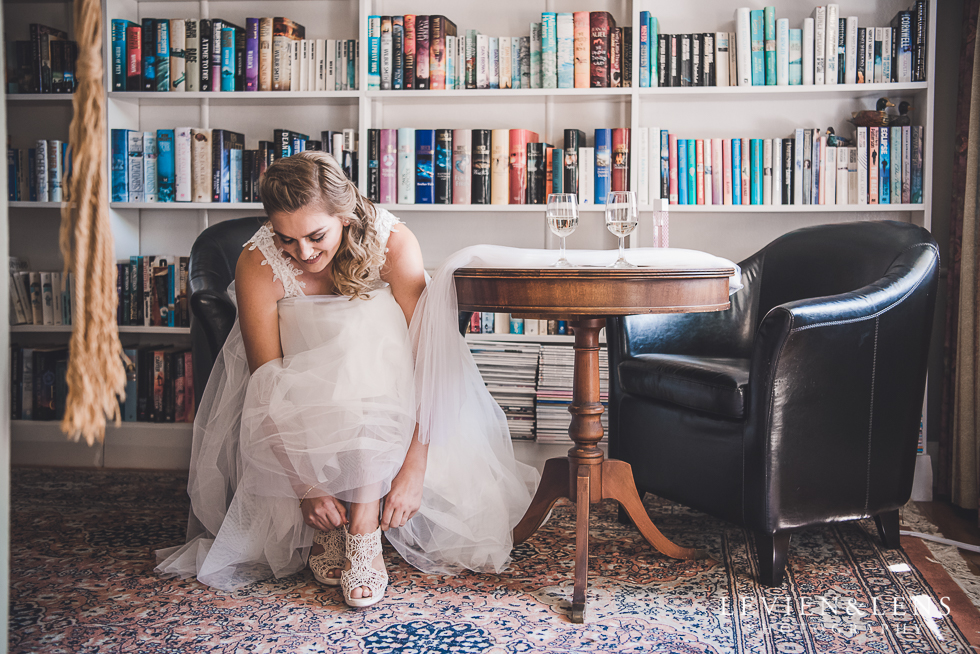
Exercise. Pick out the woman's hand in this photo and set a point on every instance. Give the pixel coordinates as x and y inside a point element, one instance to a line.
<point>323,513</point>
<point>405,496</point>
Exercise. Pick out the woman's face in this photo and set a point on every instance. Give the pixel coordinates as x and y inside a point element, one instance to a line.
<point>311,237</point>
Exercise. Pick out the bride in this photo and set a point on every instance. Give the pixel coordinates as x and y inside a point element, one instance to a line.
<point>306,443</point>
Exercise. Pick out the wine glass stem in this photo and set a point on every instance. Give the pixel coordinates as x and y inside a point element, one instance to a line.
<point>621,252</point>
<point>562,240</point>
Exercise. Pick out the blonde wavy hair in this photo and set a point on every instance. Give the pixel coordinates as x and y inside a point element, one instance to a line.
<point>315,180</point>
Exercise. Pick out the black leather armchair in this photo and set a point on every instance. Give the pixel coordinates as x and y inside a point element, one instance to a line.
<point>798,406</point>
<point>212,268</point>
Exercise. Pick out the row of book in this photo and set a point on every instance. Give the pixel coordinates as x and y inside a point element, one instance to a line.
<point>152,291</point>
<point>564,50</point>
<point>268,54</point>
<point>763,50</point>
<point>159,384</point>
<point>510,371</point>
<point>43,64</point>
<point>487,322</point>
<point>39,298</point>
<point>499,166</point>
<point>38,174</point>
<point>884,166</point>
<point>190,164</point>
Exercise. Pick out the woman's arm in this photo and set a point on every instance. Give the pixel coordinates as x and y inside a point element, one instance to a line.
<point>404,272</point>
<point>258,314</point>
<point>403,269</point>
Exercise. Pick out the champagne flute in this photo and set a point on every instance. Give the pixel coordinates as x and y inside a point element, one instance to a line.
<point>621,220</point>
<point>562,219</point>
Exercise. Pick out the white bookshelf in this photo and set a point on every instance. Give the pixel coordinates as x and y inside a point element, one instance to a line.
<point>729,231</point>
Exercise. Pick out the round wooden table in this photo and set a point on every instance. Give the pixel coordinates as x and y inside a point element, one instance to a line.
<point>585,297</point>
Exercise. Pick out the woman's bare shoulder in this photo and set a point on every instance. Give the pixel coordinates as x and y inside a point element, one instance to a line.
<point>255,278</point>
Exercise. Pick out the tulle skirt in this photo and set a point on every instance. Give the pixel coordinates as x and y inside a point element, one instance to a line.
<point>337,412</point>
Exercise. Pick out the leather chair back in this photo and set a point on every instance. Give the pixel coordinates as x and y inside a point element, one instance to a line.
<point>214,257</point>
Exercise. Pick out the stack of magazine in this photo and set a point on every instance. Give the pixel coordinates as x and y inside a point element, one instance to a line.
<point>554,394</point>
<point>510,373</point>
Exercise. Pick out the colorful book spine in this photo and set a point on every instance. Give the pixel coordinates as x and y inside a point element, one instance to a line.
<point>118,51</point>
<point>644,42</point>
<point>736,174</point>
<point>135,169</point>
<point>665,192</point>
<point>692,171</point>
<point>535,60</point>
<point>916,159</point>
<point>620,159</point>
<point>374,165</point>
<point>755,149</point>
<point>674,164</point>
<point>574,139</point>
<point>374,53</point>
<point>699,171</point>
<point>192,46</point>
<point>178,63</point>
<point>518,140</point>
<point>861,134</point>
<point>182,165</point>
<point>148,54</point>
<point>408,74</point>
<point>536,173</point>
<point>795,57</point>
<point>549,50</point>
<point>251,54</point>
<point>166,165</point>
<point>406,166</point>
<point>557,170</point>
<point>758,61</point>
<point>895,143</point>
<point>227,59</point>
<point>746,172</point>
<point>481,179</point>
<point>682,194</point>
<point>424,151</point>
<point>601,24</point>
<point>397,52</point>
<point>134,66</point>
<point>499,166</point>
<point>389,166</point>
<point>769,28</point>
<point>906,164</point>
<point>565,55</point>
<point>461,165</point>
<point>782,52</point>
<point>873,165</point>
<point>884,166</point>
<point>582,48</point>
<point>442,168</point>
<point>603,164</point>
<point>422,52</point>
<point>163,55</point>
<point>708,172</point>
<point>718,171</point>
<point>119,172</point>
<point>385,54</point>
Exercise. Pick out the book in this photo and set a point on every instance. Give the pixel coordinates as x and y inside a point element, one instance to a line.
<point>743,46</point>
<point>582,23</point>
<point>768,172</point>
<point>601,23</point>
<point>549,50</point>
<point>603,164</point>
<point>782,53</point>
<point>379,53</point>
<point>134,66</point>
<point>134,182</point>
<point>620,159</point>
<point>462,154</point>
<point>852,175</point>
<point>535,55</point>
<point>166,165</point>
<point>684,65</point>
<point>736,171</point>
<point>499,166</point>
<point>285,32</point>
<point>442,167</point>
<point>178,40</point>
<point>183,179</point>
<point>757,40</point>
<point>832,36</point>
<point>906,164</point>
<point>644,43</point>
<point>518,140</point>
<point>722,70</point>
<point>397,52</point>
<point>819,44</point>
<point>147,56</point>
<point>28,75</point>
<point>536,173</point>
<point>886,55</point>
<point>440,28</point>
<point>699,171</point>
<point>861,140</point>
<point>808,50</point>
<point>756,162</point>
<point>718,191</point>
<point>586,189</point>
<point>682,166</point>
<point>556,170</point>
<point>902,29</point>
<point>374,165</point>
<point>565,50</point>
<point>422,34</point>
<point>788,164</point>
<point>843,191</point>
<point>640,172</point>
<point>830,177</point>
<point>574,139</point>
<point>895,159</point>
<point>884,166</point>
<point>481,164</point>
<point>424,152</point>
<point>162,55</point>
<point>850,50</point>
<point>873,164</point>
<point>388,183</point>
<point>917,138</point>
<point>406,166</point>
<point>746,171</point>
<point>673,163</point>
<point>201,165</point>
<point>770,44</point>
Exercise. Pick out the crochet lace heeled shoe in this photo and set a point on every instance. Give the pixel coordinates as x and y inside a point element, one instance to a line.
<point>362,549</point>
<point>332,557</point>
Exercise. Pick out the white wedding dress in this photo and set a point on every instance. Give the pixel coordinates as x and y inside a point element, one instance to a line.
<point>338,412</point>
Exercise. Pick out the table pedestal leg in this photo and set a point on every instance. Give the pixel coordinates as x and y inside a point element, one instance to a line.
<point>585,476</point>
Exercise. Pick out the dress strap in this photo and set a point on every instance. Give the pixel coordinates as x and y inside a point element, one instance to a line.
<point>282,269</point>
<point>384,223</point>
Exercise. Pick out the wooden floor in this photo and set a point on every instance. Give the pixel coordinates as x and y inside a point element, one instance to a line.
<point>955,523</point>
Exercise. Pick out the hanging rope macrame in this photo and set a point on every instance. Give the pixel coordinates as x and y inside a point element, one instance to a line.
<point>95,371</point>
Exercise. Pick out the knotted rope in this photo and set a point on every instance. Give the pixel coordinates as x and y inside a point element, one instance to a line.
<point>95,371</point>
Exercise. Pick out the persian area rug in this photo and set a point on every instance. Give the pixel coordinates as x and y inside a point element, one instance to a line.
<point>82,580</point>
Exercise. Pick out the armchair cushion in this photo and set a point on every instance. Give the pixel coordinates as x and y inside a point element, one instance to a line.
<point>715,385</point>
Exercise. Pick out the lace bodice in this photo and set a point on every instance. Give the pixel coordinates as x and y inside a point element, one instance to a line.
<point>283,269</point>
